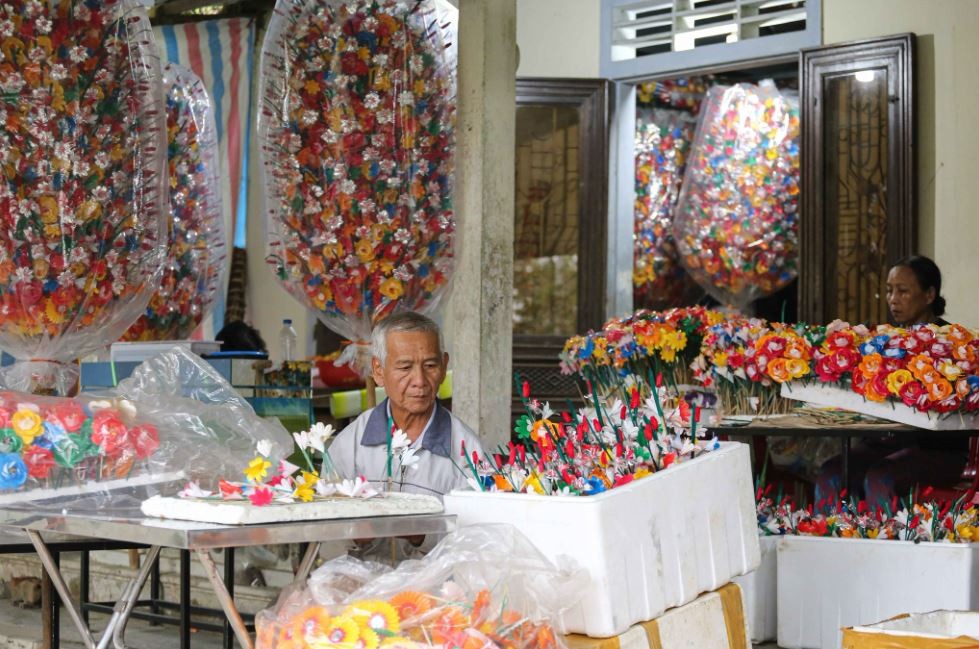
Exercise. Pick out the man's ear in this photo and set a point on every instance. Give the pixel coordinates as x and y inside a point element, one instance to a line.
<point>377,372</point>
<point>445,360</point>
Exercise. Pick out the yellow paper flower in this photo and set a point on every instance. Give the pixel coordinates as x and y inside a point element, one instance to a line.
<point>257,469</point>
<point>797,368</point>
<point>391,288</point>
<point>342,632</point>
<point>27,424</point>
<point>376,615</point>
<point>897,380</point>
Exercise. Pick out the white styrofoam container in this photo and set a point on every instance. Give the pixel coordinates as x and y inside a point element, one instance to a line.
<point>140,351</point>
<point>760,593</point>
<point>826,584</point>
<point>917,631</point>
<point>891,410</point>
<point>650,545</point>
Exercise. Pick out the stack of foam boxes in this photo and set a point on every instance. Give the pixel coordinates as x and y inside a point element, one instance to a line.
<point>661,551</point>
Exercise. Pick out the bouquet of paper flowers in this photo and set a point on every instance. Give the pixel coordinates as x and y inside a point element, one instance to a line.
<point>357,144</point>
<point>594,449</point>
<point>662,143</point>
<point>481,587</point>
<point>81,202</point>
<point>197,243</point>
<point>927,368</point>
<point>911,519</point>
<point>736,222</point>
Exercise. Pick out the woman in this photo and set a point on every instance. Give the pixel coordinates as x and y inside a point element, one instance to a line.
<point>914,292</point>
<point>891,466</point>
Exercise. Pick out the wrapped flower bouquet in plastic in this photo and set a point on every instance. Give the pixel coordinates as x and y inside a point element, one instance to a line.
<point>736,223</point>
<point>197,247</point>
<point>175,419</point>
<point>662,143</point>
<point>81,198</point>
<point>358,101</point>
<point>481,587</point>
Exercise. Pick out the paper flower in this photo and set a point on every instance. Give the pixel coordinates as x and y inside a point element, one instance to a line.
<point>13,471</point>
<point>264,447</point>
<point>260,496</point>
<point>409,460</point>
<point>319,434</point>
<point>399,440</point>
<point>356,488</point>
<point>193,490</point>
<point>257,469</point>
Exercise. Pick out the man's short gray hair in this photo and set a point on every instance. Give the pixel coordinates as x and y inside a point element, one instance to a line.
<point>405,321</point>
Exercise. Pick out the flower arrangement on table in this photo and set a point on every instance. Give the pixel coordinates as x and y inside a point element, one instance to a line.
<point>82,199</point>
<point>746,360</point>
<point>910,519</point>
<point>357,131</point>
<point>407,620</point>
<point>267,480</point>
<point>56,443</point>
<point>926,368</point>
<point>197,244</point>
<point>644,345</point>
<point>594,449</point>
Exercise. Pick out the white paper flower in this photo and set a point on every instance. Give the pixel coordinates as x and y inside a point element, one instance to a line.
<point>324,488</point>
<point>409,460</point>
<point>357,488</point>
<point>302,440</point>
<point>99,404</point>
<point>399,440</point>
<point>319,434</point>
<point>264,447</point>
<point>545,411</point>
<point>193,490</point>
<point>287,468</point>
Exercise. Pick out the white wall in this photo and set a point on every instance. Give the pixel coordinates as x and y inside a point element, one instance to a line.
<point>558,38</point>
<point>948,135</point>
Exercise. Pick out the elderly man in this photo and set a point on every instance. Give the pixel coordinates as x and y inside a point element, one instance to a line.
<point>409,363</point>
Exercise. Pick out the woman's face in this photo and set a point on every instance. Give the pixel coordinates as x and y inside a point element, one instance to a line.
<point>908,302</point>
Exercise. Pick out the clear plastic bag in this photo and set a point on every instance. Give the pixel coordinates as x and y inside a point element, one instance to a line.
<point>174,420</point>
<point>197,248</point>
<point>82,202</point>
<point>357,143</point>
<point>663,139</point>
<point>736,222</point>
<point>482,586</point>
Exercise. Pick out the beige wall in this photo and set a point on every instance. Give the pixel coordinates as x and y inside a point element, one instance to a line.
<point>558,38</point>
<point>948,126</point>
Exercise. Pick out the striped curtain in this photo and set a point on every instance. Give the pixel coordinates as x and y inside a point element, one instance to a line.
<point>221,53</point>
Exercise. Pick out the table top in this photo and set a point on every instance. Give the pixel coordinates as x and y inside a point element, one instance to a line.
<point>187,535</point>
<point>810,425</point>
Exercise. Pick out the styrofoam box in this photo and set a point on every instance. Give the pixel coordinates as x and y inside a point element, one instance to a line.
<point>825,584</point>
<point>828,395</point>
<point>943,629</point>
<point>760,593</point>
<point>649,545</point>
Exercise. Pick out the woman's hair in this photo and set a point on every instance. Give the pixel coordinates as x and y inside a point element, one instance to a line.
<point>929,276</point>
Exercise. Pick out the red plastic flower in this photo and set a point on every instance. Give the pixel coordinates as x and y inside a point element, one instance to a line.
<point>109,432</point>
<point>145,440</point>
<point>39,461</point>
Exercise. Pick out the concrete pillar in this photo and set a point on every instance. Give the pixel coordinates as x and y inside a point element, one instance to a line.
<point>480,313</point>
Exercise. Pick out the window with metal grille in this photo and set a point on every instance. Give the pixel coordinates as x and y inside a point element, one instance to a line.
<point>643,38</point>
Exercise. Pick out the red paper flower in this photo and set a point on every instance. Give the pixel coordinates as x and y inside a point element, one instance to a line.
<point>145,440</point>
<point>109,432</point>
<point>39,461</point>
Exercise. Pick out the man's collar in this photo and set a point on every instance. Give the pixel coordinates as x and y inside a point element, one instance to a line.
<point>437,438</point>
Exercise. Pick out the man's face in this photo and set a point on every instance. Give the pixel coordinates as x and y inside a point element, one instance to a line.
<point>413,371</point>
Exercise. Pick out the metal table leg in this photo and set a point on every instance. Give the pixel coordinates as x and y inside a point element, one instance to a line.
<point>227,603</point>
<point>185,599</point>
<point>84,565</point>
<point>229,584</point>
<point>122,609</point>
<point>306,565</point>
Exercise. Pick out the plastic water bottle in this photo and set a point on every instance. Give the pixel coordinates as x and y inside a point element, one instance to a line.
<point>287,341</point>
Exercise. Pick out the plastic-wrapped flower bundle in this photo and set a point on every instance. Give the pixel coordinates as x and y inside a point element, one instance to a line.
<point>357,138</point>
<point>81,201</point>
<point>736,223</point>
<point>662,143</point>
<point>197,244</point>
<point>484,586</point>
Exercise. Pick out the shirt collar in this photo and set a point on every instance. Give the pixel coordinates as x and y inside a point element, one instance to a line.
<point>436,438</point>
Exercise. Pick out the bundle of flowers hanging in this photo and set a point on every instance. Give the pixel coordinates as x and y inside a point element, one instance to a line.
<point>357,144</point>
<point>81,201</point>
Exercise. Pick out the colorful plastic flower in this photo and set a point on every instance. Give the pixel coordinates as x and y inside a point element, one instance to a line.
<point>257,469</point>
<point>27,424</point>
